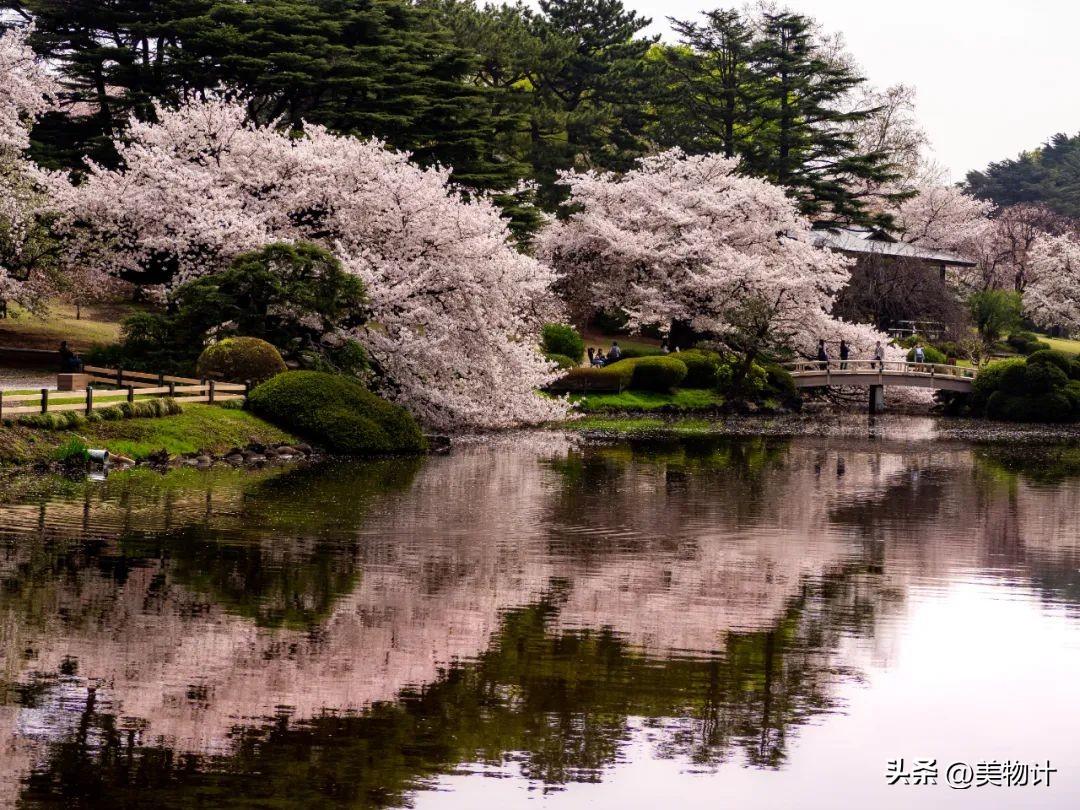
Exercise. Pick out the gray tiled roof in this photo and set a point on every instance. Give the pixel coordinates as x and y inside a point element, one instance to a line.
<point>865,241</point>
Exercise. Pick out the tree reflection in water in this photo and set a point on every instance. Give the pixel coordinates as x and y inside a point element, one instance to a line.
<point>346,634</point>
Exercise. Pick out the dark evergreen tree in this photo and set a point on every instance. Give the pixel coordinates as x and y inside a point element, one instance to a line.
<point>705,101</point>
<point>802,136</point>
<point>1049,176</point>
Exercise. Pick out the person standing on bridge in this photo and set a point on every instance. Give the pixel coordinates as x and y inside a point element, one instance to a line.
<point>879,355</point>
<point>822,354</point>
<point>844,352</point>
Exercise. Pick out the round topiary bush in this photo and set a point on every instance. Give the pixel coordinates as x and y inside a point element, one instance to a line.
<point>989,380</point>
<point>1061,360</point>
<point>559,338</point>
<point>700,368</point>
<point>337,412</point>
<point>237,359</point>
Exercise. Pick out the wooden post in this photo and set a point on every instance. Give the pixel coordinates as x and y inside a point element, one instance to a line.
<point>89,399</point>
<point>131,393</point>
<point>210,392</point>
<point>172,388</point>
<point>161,379</point>
<point>44,400</point>
<point>119,378</point>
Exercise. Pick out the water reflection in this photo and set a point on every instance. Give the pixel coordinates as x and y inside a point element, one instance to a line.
<point>534,608</point>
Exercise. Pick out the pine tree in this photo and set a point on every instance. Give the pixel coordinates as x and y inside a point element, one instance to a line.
<point>802,137</point>
<point>708,88</point>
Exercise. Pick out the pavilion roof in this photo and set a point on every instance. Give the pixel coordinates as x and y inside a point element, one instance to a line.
<point>864,241</point>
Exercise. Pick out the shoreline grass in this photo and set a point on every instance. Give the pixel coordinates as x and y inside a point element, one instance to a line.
<point>683,400</point>
<point>199,427</point>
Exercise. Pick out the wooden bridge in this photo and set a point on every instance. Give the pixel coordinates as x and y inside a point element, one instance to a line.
<point>875,375</point>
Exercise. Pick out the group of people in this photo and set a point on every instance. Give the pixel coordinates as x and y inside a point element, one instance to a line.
<point>845,353</point>
<point>598,358</point>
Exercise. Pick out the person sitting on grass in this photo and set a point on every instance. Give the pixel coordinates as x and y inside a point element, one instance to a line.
<point>615,352</point>
<point>599,359</point>
<point>592,353</point>
<point>69,361</point>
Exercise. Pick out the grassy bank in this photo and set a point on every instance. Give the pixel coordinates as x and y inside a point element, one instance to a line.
<point>684,400</point>
<point>199,427</point>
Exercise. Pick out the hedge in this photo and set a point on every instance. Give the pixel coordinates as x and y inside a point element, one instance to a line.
<point>238,359</point>
<point>653,373</point>
<point>336,412</point>
<point>615,377</point>
<point>559,338</point>
<point>1036,390</point>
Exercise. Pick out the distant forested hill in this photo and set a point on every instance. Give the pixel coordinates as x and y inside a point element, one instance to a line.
<point>1049,175</point>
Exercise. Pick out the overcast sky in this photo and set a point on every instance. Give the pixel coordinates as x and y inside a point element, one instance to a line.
<point>993,76</point>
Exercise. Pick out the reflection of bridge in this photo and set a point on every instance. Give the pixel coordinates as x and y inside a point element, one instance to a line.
<point>875,375</point>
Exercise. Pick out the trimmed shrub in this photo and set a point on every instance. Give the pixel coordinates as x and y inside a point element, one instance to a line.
<point>751,386</point>
<point>615,377</point>
<point>632,351</point>
<point>989,380</point>
<point>780,385</point>
<point>559,338</point>
<point>560,360</point>
<point>701,368</point>
<point>238,359</point>
<point>337,412</point>
<point>1026,343</point>
<point>1061,360</point>
<point>930,355</point>
<point>653,373</point>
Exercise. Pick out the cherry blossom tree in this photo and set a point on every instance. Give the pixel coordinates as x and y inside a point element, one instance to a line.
<point>26,91</point>
<point>454,307</point>
<point>684,238</point>
<point>1052,294</point>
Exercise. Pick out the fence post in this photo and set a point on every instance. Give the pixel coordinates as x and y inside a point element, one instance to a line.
<point>131,393</point>
<point>161,379</point>
<point>172,388</point>
<point>44,400</point>
<point>210,392</point>
<point>89,399</point>
<point>120,378</point>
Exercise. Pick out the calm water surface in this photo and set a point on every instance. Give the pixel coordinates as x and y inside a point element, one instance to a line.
<point>750,623</point>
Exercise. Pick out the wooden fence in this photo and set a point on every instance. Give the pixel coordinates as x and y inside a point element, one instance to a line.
<point>124,386</point>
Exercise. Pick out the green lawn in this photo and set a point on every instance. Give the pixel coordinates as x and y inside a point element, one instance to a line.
<point>682,400</point>
<point>1062,344</point>
<point>98,324</point>
<point>199,427</point>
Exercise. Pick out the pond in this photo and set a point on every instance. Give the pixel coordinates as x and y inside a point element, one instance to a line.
<point>753,622</point>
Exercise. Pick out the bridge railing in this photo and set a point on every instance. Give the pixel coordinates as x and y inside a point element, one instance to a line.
<point>876,367</point>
